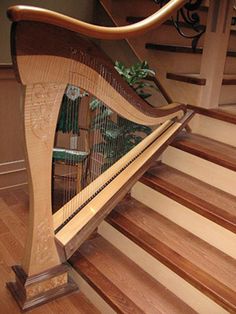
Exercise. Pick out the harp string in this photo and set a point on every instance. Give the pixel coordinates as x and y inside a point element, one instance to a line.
<point>107,141</point>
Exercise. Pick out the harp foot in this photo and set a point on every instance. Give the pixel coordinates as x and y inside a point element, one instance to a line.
<point>33,291</point>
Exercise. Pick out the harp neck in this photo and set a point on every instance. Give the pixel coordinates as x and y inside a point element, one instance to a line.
<point>28,13</point>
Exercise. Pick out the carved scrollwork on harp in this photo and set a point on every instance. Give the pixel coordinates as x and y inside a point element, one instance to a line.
<point>43,246</point>
<point>43,99</point>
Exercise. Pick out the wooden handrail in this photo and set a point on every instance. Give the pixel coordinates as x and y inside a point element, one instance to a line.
<point>29,13</point>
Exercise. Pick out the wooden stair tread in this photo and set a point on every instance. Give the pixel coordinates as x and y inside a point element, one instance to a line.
<point>204,266</point>
<point>123,284</point>
<point>81,303</point>
<point>206,148</point>
<point>181,49</point>
<point>229,79</point>
<point>187,78</point>
<point>197,80</point>
<point>173,48</point>
<point>199,196</point>
<point>216,113</point>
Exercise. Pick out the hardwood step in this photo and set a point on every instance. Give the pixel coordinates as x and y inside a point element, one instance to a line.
<point>187,78</point>
<point>229,79</point>
<point>199,196</point>
<point>197,80</point>
<point>181,49</point>
<point>206,148</point>
<point>173,48</point>
<point>123,284</point>
<point>216,113</point>
<point>204,266</point>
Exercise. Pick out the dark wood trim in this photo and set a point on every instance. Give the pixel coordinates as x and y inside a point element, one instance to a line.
<point>215,113</point>
<point>190,200</point>
<point>6,72</point>
<point>34,38</point>
<point>233,32</point>
<point>6,66</point>
<point>77,240</point>
<point>19,287</point>
<point>186,78</point>
<point>229,81</point>
<point>231,53</point>
<point>29,280</point>
<point>173,48</point>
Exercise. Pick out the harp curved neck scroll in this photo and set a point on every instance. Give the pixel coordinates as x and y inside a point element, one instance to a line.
<point>48,55</point>
<point>22,13</point>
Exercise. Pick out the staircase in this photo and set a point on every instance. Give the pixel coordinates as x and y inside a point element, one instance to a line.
<point>170,245</point>
<point>182,71</point>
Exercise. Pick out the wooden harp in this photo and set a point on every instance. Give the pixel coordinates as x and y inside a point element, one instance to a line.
<point>49,53</point>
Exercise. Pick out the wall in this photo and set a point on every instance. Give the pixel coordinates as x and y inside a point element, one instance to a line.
<point>81,9</point>
<point>12,167</point>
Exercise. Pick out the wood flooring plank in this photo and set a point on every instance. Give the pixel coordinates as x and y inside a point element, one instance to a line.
<point>132,285</point>
<point>207,268</point>
<point>206,148</point>
<point>199,196</point>
<point>13,221</point>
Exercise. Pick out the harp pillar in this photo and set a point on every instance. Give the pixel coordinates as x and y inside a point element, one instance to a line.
<point>42,276</point>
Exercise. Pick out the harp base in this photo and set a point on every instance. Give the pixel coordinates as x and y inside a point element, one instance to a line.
<point>33,291</point>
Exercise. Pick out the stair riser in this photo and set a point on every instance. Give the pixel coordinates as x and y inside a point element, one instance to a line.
<point>228,94</point>
<point>201,169</point>
<point>168,35</point>
<point>91,294</point>
<point>200,226</point>
<point>230,64</point>
<point>185,291</point>
<point>232,42</point>
<point>215,129</point>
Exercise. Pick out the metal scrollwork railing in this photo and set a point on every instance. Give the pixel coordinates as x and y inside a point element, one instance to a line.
<point>187,17</point>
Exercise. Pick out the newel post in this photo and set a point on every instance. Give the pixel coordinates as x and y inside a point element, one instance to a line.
<point>215,50</point>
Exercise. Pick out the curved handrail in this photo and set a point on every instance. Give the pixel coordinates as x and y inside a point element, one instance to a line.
<point>29,13</point>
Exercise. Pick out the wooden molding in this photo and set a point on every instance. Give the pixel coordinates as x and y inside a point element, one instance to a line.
<point>12,174</point>
<point>7,72</point>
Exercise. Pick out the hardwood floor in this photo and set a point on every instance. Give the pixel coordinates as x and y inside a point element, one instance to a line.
<point>13,222</point>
